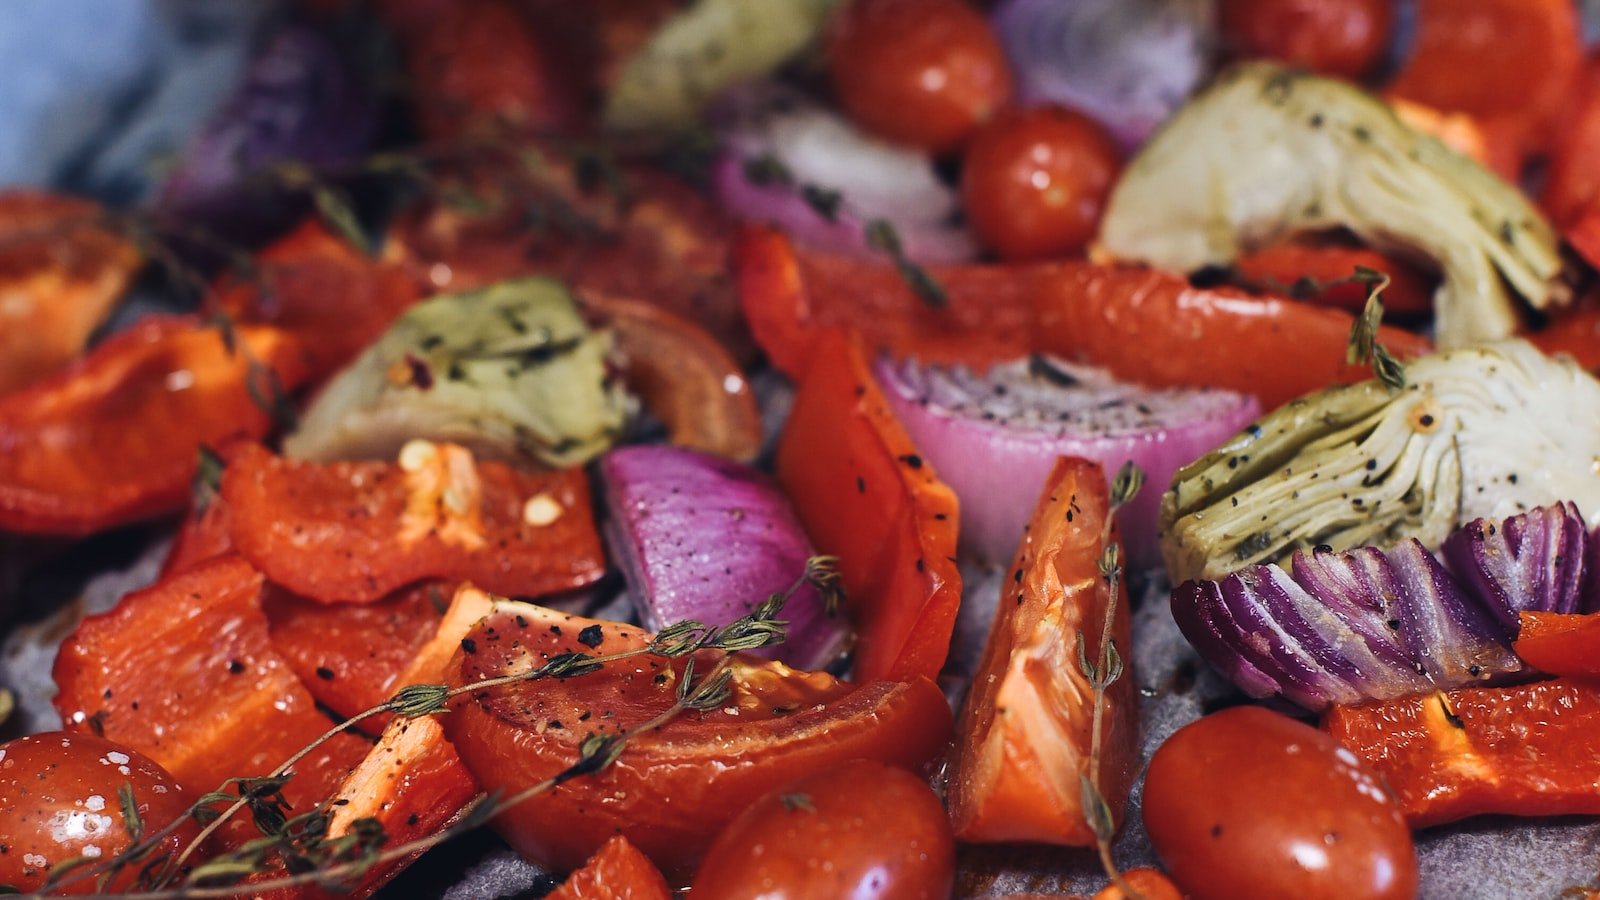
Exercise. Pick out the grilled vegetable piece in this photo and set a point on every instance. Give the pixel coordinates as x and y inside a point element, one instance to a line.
<point>352,532</point>
<point>1533,562</point>
<point>1027,728</point>
<point>708,46</point>
<point>510,371</point>
<point>1485,431</point>
<point>1322,154</point>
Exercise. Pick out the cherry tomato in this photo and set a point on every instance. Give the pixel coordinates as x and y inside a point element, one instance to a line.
<point>1339,37</point>
<point>1250,803</point>
<point>1035,182</point>
<point>921,72</point>
<point>863,830</point>
<point>59,800</point>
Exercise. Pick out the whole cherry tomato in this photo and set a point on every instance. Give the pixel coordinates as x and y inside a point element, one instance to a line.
<point>1250,803</point>
<point>59,800</point>
<point>863,830</point>
<point>1339,37</point>
<point>1035,182</point>
<point>922,72</point>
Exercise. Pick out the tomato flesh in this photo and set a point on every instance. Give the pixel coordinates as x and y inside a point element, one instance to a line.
<point>672,789</point>
<point>59,800</point>
<point>1250,803</point>
<point>863,830</point>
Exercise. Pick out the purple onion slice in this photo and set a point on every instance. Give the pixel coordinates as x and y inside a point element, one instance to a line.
<point>1532,561</point>
<point>1452,636</point>
<point>1204,619</point>
<point>706,538</point>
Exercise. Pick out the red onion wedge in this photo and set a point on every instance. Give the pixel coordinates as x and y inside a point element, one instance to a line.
<point>705,538</point>
<point>1531,561</point>
<point>994,437</point>
<point>787,161</point>
<point>1128,63</point>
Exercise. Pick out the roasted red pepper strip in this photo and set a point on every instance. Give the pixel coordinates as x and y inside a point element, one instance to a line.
<point>351,656</point>
<point>1145,326</point>
<point>1576,332</point>
<point>864,494</point>
<point>1560,644</point>
<point>330,295</point>
<point>352,532</point>
<point>1279,267</point>
<point>184,672</point>
<point>1026,730</point>
<point>1527,750</point>
<point>114,438</point>
<point>61,271</point>
<point>617,870</point>
<point>684,377</point>
<point>1572,184</point>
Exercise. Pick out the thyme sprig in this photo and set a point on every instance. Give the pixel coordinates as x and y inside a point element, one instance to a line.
<point>1102,672</point>
<point>1364,347</point>
<point>301,842</point>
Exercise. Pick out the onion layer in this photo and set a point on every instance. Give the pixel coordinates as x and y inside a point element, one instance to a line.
<point>1128,63</point>
<point>994,437</point>
<point>705,538</point>
<point>1375,625</point>
<point>789,162</point>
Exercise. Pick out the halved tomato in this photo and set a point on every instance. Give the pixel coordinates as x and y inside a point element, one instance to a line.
<point>1027,726</point>
<point>673,787</point>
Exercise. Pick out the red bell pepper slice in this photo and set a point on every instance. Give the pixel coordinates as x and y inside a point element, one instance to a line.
<point>352,656</point>
<point>618,869</point>
<point>184,672</point>
<point>114,438</point>
<point>1526,750</point>
<point>61,271</point>
<point>1026,729</point>
<point>684,377</point>
<point>348,532</point>
<point>1571,183</point>
<point>1279,267</point>
<point>1560,644</point>
<point>1576,332</point>
<point>1143,325</point>
<point>314,285</point>
<point>864,493</point>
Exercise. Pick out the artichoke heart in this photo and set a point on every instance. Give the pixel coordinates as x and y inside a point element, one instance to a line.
<point>1267,152</point>
<point>1483,432</point>
<point>510,371</point>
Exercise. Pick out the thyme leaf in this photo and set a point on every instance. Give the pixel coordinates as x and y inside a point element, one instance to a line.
<point>1363,346</point>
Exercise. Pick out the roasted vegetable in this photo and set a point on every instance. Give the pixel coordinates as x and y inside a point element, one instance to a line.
<point>1267,152</point>
<point>510,371</point>
<point>1486,431</point>
<point>708,46</point>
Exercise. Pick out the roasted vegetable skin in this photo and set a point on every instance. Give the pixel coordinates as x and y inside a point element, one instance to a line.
<point>1267,152</point>
<point>1483,432</point>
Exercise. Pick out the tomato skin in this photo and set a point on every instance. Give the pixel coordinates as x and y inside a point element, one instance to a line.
<point>1035,182</point>
<point>921,72</point>
<point>672,789</point>
<point>58,799</point>
<point>1250,803</point>
<point>1339,37</point>
<point>862,830</point>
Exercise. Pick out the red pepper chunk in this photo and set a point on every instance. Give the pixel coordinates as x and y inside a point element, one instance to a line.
<point>1559,644</point>
<point>330,295</point>
<point>114,438</point>
<point>1143,325</point>
<point>1527,750</point>
<point>183,672</point>
<point>618,869</point>
<point>864,493</point>
<point>353,532</point>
